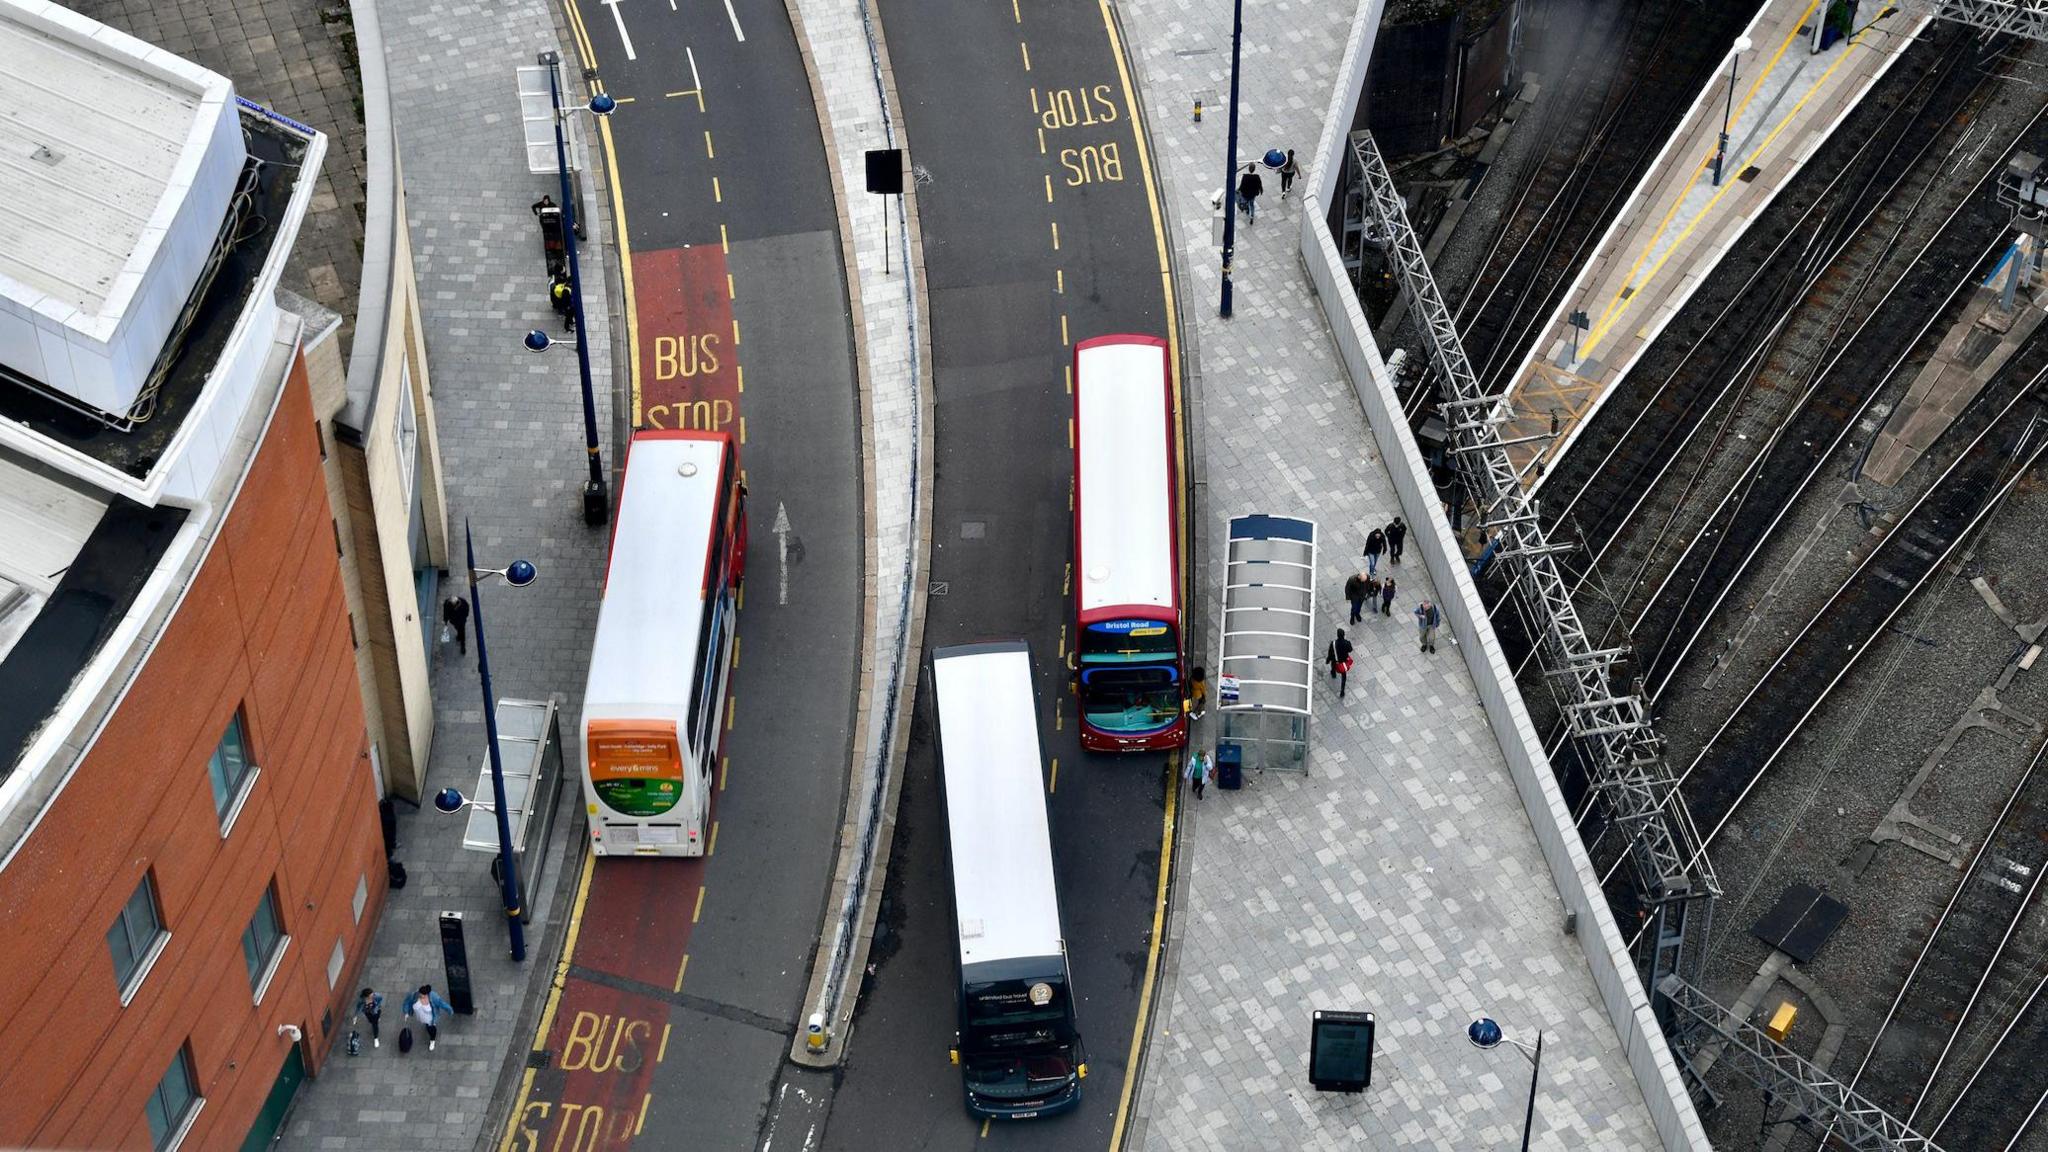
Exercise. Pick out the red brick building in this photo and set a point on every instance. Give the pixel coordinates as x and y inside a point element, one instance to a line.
<point>191,864</point>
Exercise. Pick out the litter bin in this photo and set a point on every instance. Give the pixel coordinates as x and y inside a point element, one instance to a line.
<point>1229,766</point>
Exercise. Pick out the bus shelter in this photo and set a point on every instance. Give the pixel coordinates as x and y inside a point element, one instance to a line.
<point>1264,684</point>
<point>530,749</point>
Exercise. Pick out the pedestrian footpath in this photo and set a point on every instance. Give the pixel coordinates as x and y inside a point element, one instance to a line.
<point>1400,875</point>
<point>510,427</point>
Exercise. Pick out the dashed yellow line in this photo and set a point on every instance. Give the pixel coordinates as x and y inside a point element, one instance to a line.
<point>661,1053</point>
<point>724,245</point>
<point>642,1121</point>
<point>1014,13</point>
<point>732,710</point>
<point>729,293</point>
<point>1053,785</point>
<point>1059,281</point>
<point>1055,234</point>
<point>682,968</point>
<point>724,762</point>
<point>743,440</point>
<point>1070,378</point>
<point>712,848</point>
<point>1064,339</point>
<point>717,195</point>
<point>1027,54</point>
<point>739,375</point>
<point>735,331</point>
<point>696,915</point>
<point>710,153</point>
<point>1048,187</point>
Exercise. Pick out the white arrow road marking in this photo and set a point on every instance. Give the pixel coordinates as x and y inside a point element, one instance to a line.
<point>621,22</point>
<point>781,531</point>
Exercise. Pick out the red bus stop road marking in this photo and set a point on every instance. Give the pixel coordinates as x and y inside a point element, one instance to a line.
<point>597,1086</point>
<point>689,366</point>
<point>638,919</point>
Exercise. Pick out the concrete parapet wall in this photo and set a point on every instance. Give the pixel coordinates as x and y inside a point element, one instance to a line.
<point>1607,955</point>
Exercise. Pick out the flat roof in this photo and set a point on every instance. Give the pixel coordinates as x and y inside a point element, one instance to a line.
<point>643,660</point>
<point>188,364</point>
<point>91,140</point>
<point>1001,845</point>
<point>1123,465</point>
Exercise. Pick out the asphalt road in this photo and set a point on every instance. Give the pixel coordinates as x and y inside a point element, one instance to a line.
<point>1037,233</point>
<point>686,976</point>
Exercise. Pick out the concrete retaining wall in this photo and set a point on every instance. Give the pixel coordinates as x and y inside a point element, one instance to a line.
<point>1628,1007</point>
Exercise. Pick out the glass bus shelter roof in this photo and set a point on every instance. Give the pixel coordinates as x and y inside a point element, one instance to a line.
<point>1268,615</point>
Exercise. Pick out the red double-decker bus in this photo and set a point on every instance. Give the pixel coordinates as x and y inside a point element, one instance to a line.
<point>1129,629</point>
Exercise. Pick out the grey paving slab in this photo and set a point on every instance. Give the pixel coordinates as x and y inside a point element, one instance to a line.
<point>1400,875</point>
<point>511,429</point>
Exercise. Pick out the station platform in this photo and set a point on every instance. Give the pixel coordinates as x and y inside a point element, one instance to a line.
<point>1678,223</point>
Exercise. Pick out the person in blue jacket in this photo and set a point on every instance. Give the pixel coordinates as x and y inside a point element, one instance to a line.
<point>427,1009</point>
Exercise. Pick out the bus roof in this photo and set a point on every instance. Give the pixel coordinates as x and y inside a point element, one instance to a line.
<point>641,664</point>
<point>995,803</point>
<point>1124,471</point>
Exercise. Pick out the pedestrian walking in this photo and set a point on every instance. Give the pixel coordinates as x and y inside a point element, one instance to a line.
<point>1339,657</point>
<point>1397,535</point>
<point>1197,773</point>
<point>370,1006</point>
<point>1375,543</point>
<point>1355,590</point>
<point>429,1010</point>
<point>455,623</point>
<point>1426,620</point>
<point>1387,595</point>
<point>1248,188</point>
<point>1288,172</point>
<point>1198,692</point>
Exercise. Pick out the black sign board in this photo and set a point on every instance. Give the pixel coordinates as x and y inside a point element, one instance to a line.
<point>885,171</point>
<point>1340,1051</point>
<point>455,958</point>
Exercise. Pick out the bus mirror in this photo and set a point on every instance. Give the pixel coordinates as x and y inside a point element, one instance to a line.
<point>953,1054</point>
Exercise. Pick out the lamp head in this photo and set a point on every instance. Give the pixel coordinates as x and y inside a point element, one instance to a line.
<point>537,341</point>
<point>602,104</point>
<point>1484,1033</point>
<point>452,800</point>
<point>1743,44</point>
<point>521,573</point>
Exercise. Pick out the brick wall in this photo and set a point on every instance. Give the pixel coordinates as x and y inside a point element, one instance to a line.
<point>263,628</point>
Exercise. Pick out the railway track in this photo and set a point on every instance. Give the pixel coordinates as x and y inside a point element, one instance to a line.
<point>1819,245</point>
<point>2008,438</point>
<point>1965,964</point>
<point>2005,1094</point>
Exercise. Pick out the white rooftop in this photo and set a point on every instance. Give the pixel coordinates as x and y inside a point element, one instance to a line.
<point>1124,466</point>
<point>45,519</point>
<point>1001,845</point>
<point>117,162</point>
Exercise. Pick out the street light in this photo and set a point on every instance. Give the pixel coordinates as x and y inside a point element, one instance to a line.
<point>596,492</point>
<point>518,574</point>
<point>1230,155</point>
<point>1742,44</point>
<point>1486,1035</point>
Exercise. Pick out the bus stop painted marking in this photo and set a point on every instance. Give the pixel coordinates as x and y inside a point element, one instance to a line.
<point>686,338</point>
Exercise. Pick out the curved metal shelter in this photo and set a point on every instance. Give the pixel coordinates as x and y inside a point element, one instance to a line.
<point>1264,684</point>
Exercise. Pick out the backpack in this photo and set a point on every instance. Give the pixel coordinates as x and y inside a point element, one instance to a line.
<point>396,870</point>
<point>355,1042</point>
<point>404,1040</point>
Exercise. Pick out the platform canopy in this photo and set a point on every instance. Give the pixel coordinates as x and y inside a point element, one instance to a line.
<point>1264,676</point>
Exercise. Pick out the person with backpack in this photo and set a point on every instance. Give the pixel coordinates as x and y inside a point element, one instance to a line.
<point>1426,620</point>
<point>1248,188</point>
<point>370,1006</point>
<point>1339,658</point>
<point>428,1009</point>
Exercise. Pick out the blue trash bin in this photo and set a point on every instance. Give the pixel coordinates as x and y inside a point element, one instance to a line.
<point>1229,766</point>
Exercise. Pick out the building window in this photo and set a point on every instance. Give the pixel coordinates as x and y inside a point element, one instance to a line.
<point>231,773</point>
<point>173,1104</point>
<point>263,943</point>
<point>408,432</point>
<point>136,938</point>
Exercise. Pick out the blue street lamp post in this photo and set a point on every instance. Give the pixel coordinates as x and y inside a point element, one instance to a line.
<point>518,574</point>
<point>1486,1035</point>
<point>596,494</point>
<point>1230,173</point>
